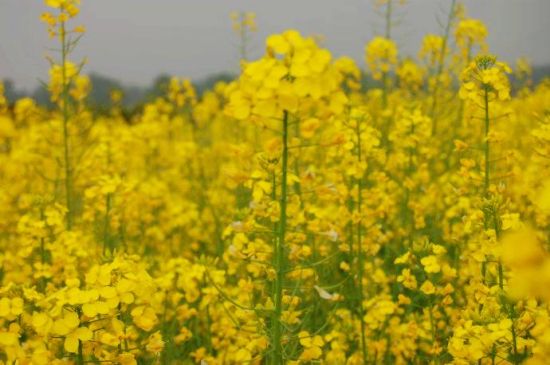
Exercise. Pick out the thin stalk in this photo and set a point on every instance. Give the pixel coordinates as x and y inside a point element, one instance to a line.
<point>385,90</point>
<point>459,117</point>
<point>42,241</point>
<point>107,242</point>
<point>244,39</point>
<point>500,267</point>
<point>408,218</point>
<point>385,78</point>
<point>441,64</point>
<point>80,358</point>
<point>350,300</point>
<point>276,325</point>
<point>107,224</point>
<point>486,150</point>
<point>511,312</point>
<point>80,355</point>
<point>388,19</point>
<point>385,128</point>
<point>389,9</point>
<point>42,282</point>
<point>512,315</point>
<point>66,144</point>
<point>360,258</point>
<point>433,329</point>
<point>487,145</point>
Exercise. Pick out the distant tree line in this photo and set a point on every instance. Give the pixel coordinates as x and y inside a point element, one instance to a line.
<point>100,95</point>
<point>134,96</point>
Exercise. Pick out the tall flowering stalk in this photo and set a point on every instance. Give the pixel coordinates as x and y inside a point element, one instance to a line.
<point>484,84</point>
<point>244,24</point>
<point>62,77</point>
<point>441,56</point>
<point>279,260</point>
<point>485,81</point>
<point>271,92</point>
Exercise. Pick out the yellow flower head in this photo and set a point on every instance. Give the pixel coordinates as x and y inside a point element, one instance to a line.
<point>427,288</point>
<point>470,33</point>
<point>380,55</point>
<point>432,47</point>
<point>485,76</point>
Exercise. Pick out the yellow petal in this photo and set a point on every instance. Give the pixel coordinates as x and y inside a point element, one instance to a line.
<point>83,333</point>
<point>71,344</point>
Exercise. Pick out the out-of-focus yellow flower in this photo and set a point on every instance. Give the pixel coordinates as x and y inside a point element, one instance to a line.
<point>68,326</point>
<point>381,56</point>
<point>312,346</point>
<point>243,21</point>
<point>408,280</point>
<point>470,33</point>
<point>427,288</point>
<point>410,75</point>
<point>529,264</point>
<point>144,317</point>
<point>10,308</point>
<point>485,75</point>
<point>431,49</point>
<point>431,264</point>
<point>155,344</point>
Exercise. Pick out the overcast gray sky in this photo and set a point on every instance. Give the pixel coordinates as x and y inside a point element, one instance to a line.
<point>135,40</point>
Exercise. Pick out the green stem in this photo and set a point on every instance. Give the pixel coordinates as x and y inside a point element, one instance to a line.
<point>487,172</point>
<point>385,128</point>
<point>433,329</point>
<point>42,241</point>
<point>511,312</point>
<point>276,325</point>
<point>512,315</point>
<point>42,282</point>
<point>388,19</point>
<point>385,79</point>
<point>360,258</point>
<point>107,225</point>
<point>487,146</point>
<point>385,90</point>
<point>441,64</point>
<point>500,267</point>
<point>244,38</point>
<point>66,144</point>
<point>80,358</point>
<point>80,355</point>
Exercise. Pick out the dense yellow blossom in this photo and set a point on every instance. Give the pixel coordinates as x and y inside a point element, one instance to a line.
<point>300,213</point>
<point>381,56</point>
